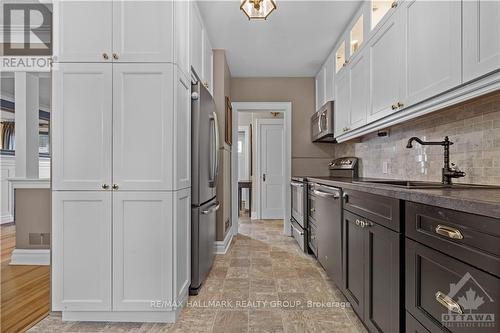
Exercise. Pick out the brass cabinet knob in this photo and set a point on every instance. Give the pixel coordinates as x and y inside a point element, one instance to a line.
<point>400,105</point>
<point>205,84</point>
<point>115,186</point>
<point>104,186</point>
<point>115,56</point>
<point>394,4</point>
<point>394,106</point>
<point>105,56</point>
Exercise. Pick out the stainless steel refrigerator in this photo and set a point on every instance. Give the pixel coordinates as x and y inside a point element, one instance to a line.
<point>204,173</point>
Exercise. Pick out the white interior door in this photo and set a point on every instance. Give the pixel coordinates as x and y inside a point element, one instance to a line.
<point>271,152</point>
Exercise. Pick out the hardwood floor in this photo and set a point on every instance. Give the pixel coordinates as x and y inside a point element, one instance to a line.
<point>25,290</point>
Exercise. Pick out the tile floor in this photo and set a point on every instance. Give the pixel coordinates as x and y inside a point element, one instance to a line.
<point>263,284</point>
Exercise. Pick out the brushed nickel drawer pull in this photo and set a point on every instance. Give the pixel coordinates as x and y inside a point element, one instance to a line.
<point>448,303</point>
<point>449,232</point>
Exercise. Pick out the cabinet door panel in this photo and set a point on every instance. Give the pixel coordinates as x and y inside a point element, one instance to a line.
<point>481,38</point>
<point>382,279</point>
<point>143,31</point>
<point>75,40</point>
<point>207,62</point>
<point>182,241</point>
<point>182,132</point>
<point>196,46</point>
<point>385,69</point>
<point>81,251</point>
<point>320,89</point>
<point>358,70</point>
<point>329,79</point>
<point>142,250</point>
<point>342,102</point>
<point>143,126</point>
<point>182,13</point>
<point>354,262</point>
<point>431,48</point>
<point>81,126</point>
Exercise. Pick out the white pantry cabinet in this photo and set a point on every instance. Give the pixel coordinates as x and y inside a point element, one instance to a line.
<point>182,12</point>
<point>431,48</point>
<point>113,31</point>
<point>201,49</point>
<point>142,249</point>
<point>81,251</point>
<point>385,69</point>
<point>81,126</point>
<point>143,124</point>
<point>182,131</point>
<point>481,38</point>
<point>82,31</point>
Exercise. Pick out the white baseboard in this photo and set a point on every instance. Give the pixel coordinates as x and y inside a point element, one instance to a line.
<point>254,216</point>
<point>222,246</point>
<point>36,257</point>
<point>124,316</point>
<point>7,218</point>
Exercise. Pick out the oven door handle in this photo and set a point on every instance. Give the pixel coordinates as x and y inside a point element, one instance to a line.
<point>301,233</point>
<point>327,195</point>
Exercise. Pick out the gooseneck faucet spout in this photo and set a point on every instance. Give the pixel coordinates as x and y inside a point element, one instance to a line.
<point>448,172</point>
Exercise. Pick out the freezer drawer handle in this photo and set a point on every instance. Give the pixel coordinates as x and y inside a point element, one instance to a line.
<point>211,209</point>
<point>326,195</point>
<point>448,303</point>
<point>298,231</point>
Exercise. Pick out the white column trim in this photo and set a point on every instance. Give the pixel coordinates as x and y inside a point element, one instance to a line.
<point>35,257</point>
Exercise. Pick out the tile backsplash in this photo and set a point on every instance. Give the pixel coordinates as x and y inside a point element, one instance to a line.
<point>473,127</point>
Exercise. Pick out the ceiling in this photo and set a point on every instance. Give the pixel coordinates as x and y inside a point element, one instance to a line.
<point>294,41</point>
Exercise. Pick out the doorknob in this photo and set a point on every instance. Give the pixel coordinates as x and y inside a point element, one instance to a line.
<point>263,177</point>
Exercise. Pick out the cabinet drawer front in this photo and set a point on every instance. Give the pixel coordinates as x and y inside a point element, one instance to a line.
<point>464,236</point>
<point>462,287</point>
<point>413,326</point>
<point>379,209</point>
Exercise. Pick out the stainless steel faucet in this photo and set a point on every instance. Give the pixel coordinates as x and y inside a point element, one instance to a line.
<point>448,172</point>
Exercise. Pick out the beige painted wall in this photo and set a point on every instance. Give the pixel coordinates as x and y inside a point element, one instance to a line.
<point>307,158</point>
<point>222,86</point>
<point>32,213</point>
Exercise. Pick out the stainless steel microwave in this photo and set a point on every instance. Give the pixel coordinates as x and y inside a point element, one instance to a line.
<point>322,124</point>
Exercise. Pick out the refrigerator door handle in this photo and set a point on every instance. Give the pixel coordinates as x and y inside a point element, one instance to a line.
<point>214,168</point>
<point>211,209</point>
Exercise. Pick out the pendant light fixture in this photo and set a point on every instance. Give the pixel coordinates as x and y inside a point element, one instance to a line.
<point>257,9</point>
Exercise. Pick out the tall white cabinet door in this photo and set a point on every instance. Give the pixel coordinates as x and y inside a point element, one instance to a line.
<point>143,31</point>
<point>342,102</point>
<point>385,69</point>
<point>358,71</point>
<point>81,251</point>
<point>481,38</point>
<point>431,48</point>
<point>143,126</point>
<point>81,126</point>
<point>182,242</point>
<point>320,88</point>
<point>181,17</point>
<point>142,250</point>
<point>196,45</point>
<point>329,78</point>
<point>75,40</point>
<point>182,132</point>
<point>207,62</point>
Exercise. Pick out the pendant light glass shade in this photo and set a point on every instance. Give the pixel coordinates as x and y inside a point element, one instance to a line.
<point>257,9</point>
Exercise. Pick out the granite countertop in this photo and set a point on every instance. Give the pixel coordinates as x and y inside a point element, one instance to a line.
<point>481,201</point>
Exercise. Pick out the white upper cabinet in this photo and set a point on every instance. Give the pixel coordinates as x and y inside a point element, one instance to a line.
<point>76,39</point>
<point>431,48</point>
<point>143,126</point>
<point>182,132</point>
<point>81,251</point>
<point>330,78</point>
<point>81,126</point>
<point>385,70</point>
<point>142,31</point>
<point>320,88</point>
<point>181,28</point>
<point>358,72</point>
<point>120,31</point>
<point>142,250</point>
<point>481,38</point>
<point>208,59</point>
<point>342,103</point>
<point>196,47</point>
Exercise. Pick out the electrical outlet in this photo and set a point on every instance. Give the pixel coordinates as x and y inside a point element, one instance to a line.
<point>385,167</point>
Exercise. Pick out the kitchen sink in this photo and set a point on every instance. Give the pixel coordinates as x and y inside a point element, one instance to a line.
<point>424,184</point>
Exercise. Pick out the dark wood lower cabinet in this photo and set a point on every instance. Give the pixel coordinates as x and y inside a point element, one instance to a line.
<point>372,273</point>
<point>413,326</point>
